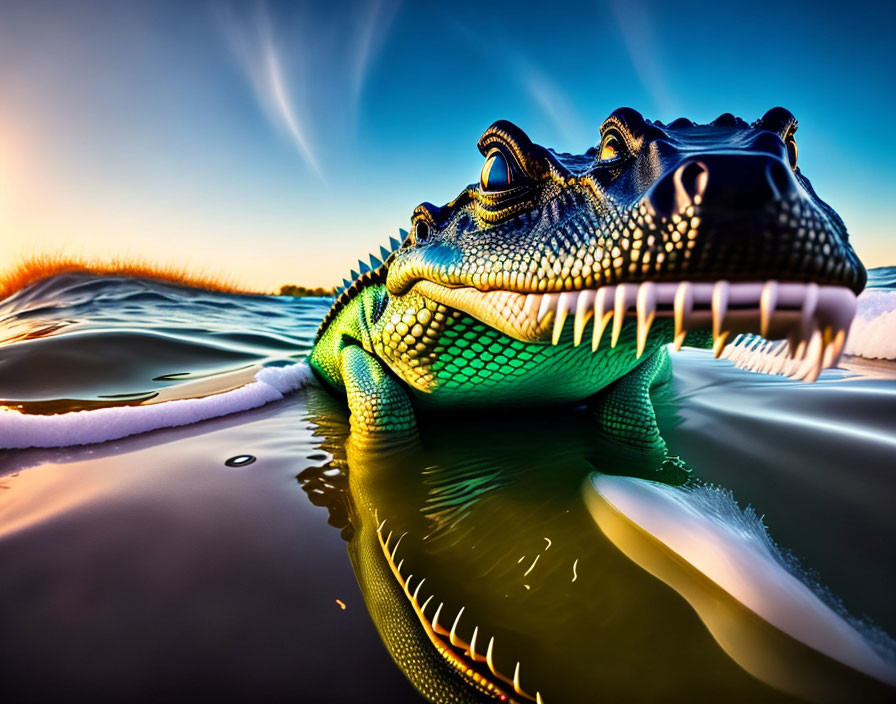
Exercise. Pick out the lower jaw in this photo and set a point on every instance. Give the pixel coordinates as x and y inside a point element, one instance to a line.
<point>814,320</point>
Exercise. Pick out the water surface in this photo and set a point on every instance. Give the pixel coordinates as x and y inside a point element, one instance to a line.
<point>144,566</point>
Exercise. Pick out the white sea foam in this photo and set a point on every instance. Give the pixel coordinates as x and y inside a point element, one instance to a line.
<point>21,430</point>
<point>873,332</point>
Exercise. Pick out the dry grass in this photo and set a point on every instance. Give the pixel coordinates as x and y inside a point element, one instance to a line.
<point>37,268</point>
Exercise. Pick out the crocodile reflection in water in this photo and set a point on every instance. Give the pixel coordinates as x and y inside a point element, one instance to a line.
<point>488,578</point>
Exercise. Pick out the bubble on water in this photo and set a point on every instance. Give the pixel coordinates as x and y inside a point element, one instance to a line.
<point>240,461</point>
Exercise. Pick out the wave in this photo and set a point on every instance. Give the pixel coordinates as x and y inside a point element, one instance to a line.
<point>882,277</point>
<point>21,430</point>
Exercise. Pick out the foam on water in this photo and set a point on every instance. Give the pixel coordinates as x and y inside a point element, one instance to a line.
<point>873,331</point>
<point>21,430</point>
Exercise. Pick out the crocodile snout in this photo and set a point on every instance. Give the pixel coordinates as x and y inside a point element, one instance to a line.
<point>731,183</point>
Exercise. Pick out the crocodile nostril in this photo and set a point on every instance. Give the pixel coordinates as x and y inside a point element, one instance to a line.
<point>678,189</point>
<point>779,178</point>
<point>693,178</point>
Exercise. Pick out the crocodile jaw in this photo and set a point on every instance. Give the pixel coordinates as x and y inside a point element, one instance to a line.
<point>503,310</point>
<point>813,319</point>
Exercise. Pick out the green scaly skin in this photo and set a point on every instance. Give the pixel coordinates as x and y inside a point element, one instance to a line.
<point>399,339</point>
<point>448,359</point>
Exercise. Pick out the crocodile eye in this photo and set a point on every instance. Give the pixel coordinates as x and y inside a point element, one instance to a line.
<point>421,231</point>
<point>610,147</point>
<point>496,174</point>
<point>790,143</point>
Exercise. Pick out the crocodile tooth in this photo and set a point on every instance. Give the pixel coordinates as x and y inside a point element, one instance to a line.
<point>488,656</point>
<point>718,343</point>
<point>538,699</point>
<point>827,357</point>
<point>435,619</point>
<point>768,299</point>
<point>813,358</point>
<point>473,655</point>
<point>810,305</point>
<point>836,310</point>
<point>765,362</point>
<point>808,323</point>
<point>684,303</point>
<point>548,301</point>
<point>407,586</point>
<point>417,590</point>
<point>531,306</point>
<point>397,543</point>
<point>425,603</point>
<point>778,362</point>
<point>801,369</point>
<point>762,363</point>
<point>398,566</point>
<point>719,306</point>
<point>584,311</point>
<point>621,306</point>
<point>788,364</point>
<point>565,303</point>
<point>840,306</point>
<point>452,637</point>
<point>646,313</point>
<point>779,350</point>
<point>516,679</point>
<point>751,362</point>
<point>603,311</point>
<point>836,347</point>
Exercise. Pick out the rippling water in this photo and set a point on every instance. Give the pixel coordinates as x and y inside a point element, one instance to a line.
<point>145,564</point>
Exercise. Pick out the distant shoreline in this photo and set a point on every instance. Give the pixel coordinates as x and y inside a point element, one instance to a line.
<point>302,291</point>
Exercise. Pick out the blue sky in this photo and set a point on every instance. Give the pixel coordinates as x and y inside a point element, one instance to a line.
<point>276,143</point>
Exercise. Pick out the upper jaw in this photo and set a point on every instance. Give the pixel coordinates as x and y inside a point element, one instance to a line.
<point>814,319</point>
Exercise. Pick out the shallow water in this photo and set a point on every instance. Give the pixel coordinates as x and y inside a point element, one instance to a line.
<point>144,566</point>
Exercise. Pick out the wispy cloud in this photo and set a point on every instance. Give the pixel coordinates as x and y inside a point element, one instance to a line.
<point>376,19</point>
<point>545,93</point>
<point>252,42</point>
<point>284,107</point>
<point>636,29</point>
<point>307,67</point>
<point>553,103</point>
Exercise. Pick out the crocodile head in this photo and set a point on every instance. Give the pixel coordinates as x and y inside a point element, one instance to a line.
<point>711,226</point>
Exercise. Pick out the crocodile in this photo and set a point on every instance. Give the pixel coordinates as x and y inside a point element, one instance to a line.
<point>563,278</point>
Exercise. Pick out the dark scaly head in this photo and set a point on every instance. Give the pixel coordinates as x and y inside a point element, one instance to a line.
<point>713,226</point>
